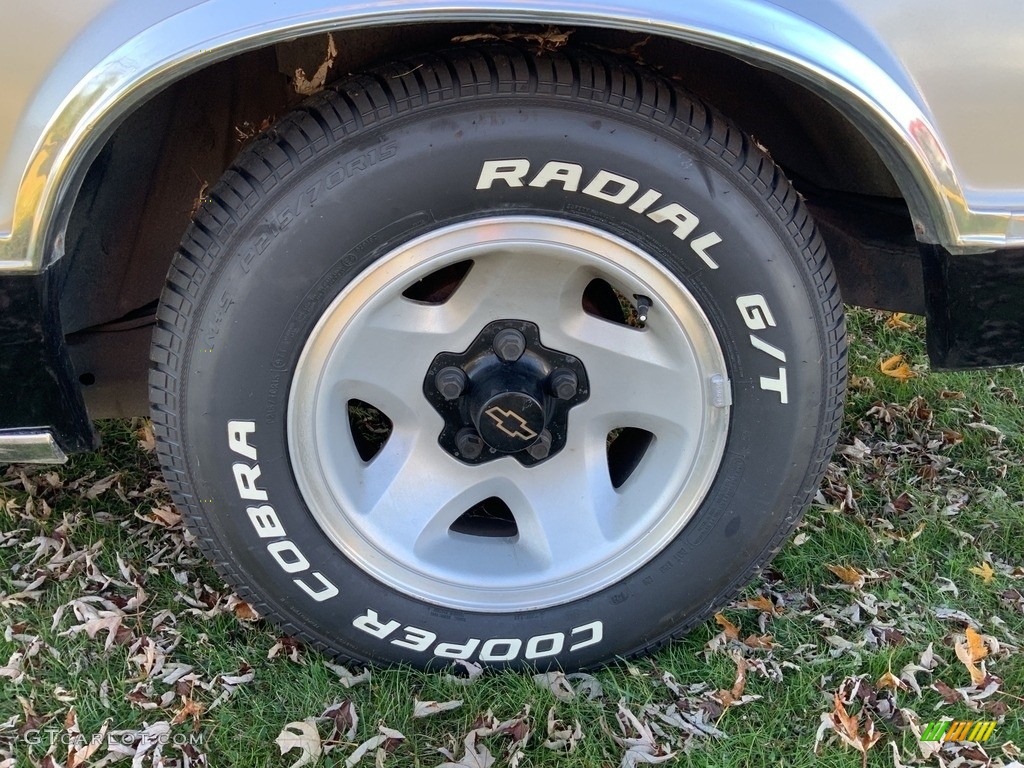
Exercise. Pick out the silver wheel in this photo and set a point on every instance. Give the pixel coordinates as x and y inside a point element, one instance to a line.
<point>576,530</point>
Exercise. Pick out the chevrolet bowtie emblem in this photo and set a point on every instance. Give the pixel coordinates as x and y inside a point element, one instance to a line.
<point>511,423</point>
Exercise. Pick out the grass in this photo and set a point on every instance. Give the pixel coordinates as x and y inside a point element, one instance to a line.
<point>925,490</point>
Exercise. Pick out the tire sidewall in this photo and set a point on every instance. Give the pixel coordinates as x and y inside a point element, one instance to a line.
<point>284,257</point>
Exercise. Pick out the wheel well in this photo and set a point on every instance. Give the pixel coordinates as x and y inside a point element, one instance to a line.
<point>150,175</point>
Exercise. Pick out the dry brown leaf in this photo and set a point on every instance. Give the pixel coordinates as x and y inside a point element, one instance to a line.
<point>731,630</point>
<point>897,322</point>
<point>848,728</point>
<point>314,84</point>
<point>730,697</point>
<point>101,486</point>
<point>166,516</point>
<point>562,736</point>
<point>889,680</point>
<point>848,575</point>
<point>896,367</point>
<point>386,741</point>
<point>985,571</point>
<point>242,610</point>
<point>471,669</point>
<point>976,645</point>
<point>761,603</point>
<point>147,441</point>
<point>759,641</point>
<point>970,652</point>
<point>190,709</point>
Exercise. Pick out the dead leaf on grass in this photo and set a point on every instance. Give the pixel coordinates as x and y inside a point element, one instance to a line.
<point>897,322</point>
<point>470,669</point>
<point>848,575</point>
<point>562,736</point>
<point>848,728</point>
<point>731,631</point>
<point>761,603</point>
<point>385,741</point>
<point>346,678</point>
<point>971,651</point>
<point>896,367</point>
<point>561,685</point>
<point>735,696</point>
<point>428,708</point>
<point>301,735</point>
<point>985,571</point>
<point>101,486</point>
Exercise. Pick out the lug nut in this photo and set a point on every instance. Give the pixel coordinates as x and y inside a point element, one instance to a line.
<point>542,447</point>
<point>509,344</point>
<point>469,443</point>
<point>564,384</point>
<point>450,382</point>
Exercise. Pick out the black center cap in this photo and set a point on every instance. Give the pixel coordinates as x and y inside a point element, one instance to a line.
<point>510,421</point>
<point>505,396</point>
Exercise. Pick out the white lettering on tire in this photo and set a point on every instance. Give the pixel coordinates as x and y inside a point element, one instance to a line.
<point>757,316</point>
<point>264,518</point>
<point>604,185</point>
<point>496,649</point>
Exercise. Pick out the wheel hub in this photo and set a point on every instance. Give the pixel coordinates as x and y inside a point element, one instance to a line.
<point>506,394</point>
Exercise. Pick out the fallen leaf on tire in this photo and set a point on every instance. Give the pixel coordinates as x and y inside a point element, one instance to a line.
<point>165,516</point>
<point>985,571</point>
<point>146,439</point>
<point>301,735</point>
<point>896,367</point>
<point>242,610</point>
<point>428,708</point>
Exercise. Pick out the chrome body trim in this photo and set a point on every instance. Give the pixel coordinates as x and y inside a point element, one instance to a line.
<point>139,48</point>
<point>30,447</point>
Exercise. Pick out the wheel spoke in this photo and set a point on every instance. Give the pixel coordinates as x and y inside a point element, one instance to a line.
<point>384,360</point>
<point>567,508</point>
<point>516,282</point>
<point>638,378</point>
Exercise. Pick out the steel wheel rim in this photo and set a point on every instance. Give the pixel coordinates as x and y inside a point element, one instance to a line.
<point>576,534</point>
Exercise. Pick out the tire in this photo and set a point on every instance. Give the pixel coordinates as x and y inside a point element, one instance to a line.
<point>414,220</point>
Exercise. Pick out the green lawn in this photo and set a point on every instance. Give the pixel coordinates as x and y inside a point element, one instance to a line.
<point>117,634</point>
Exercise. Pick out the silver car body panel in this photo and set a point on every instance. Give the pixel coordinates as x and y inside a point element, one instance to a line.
<point>937,87</point>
